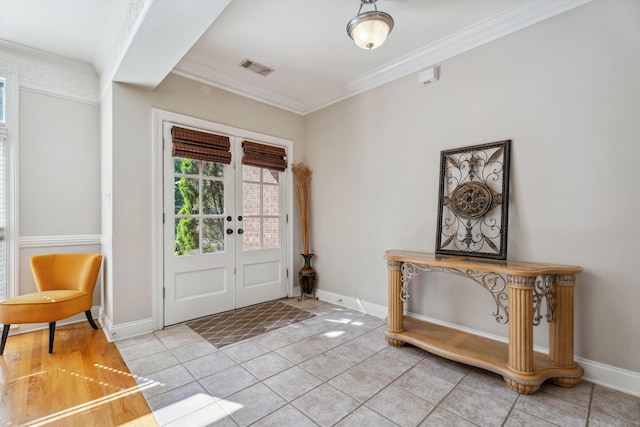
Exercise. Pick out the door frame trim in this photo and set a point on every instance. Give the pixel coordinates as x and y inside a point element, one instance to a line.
<point>157,196</point>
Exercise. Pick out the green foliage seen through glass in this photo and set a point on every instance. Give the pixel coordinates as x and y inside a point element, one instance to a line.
<point>210,207</point>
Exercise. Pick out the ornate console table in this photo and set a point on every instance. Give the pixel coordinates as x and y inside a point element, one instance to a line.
<point>521,291</point>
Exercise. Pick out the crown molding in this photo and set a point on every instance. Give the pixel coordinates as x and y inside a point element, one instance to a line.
<point>521,16</point>
<point>194,70</point>
<point>481,33</point>
<point>54,75</point>
<point>50,74</point>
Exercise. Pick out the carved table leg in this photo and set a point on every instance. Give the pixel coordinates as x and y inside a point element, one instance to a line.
<point>561,329</point>
<point>396,306</point>
<point>521,334</point>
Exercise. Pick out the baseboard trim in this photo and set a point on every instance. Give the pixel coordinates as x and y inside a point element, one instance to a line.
<point>610,376</point>
<point>357,304</point>
<point>125,330</point>
<point>598,373</point>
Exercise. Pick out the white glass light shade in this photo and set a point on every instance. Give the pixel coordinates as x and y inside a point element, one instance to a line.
<point>370,29</point>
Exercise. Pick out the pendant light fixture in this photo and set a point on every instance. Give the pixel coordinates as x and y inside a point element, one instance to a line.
<point>370,29</point>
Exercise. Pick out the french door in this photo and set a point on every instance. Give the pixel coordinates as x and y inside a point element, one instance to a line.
<point>224,234</point>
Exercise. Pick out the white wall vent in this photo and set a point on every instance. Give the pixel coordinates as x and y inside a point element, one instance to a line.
<point>263,70</point>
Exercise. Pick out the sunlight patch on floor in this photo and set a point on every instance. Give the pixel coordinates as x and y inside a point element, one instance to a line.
<point>90,405</point>
<point>197,410</point>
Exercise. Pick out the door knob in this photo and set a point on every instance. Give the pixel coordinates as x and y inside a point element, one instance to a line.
<point>229,218</point>
<point>239,217</point>
<point>229,231</point>
<point>240,231</point>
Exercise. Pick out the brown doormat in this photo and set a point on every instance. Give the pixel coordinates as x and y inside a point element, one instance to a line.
<point>232,326</point>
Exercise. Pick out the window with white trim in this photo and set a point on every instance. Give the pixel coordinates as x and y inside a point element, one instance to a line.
<point>8,182</point>
<point>3,194</point>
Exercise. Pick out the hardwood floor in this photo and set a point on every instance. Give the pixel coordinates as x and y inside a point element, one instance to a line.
<point>84,382</point>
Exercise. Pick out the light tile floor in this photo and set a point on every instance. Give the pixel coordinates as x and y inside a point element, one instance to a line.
<point>337,369</point>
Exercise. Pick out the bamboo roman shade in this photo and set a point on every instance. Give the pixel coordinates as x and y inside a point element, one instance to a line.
<point>264,156</point>
<point>194,144</point>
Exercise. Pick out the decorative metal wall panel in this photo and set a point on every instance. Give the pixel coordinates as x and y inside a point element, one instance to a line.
<point>474,199</point>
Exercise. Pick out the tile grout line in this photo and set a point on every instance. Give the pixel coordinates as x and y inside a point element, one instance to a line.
<point>323,382</point>
<point>351,365</point>
<point>513,406</point>
<point>361,404</point>
<point>589,406</point>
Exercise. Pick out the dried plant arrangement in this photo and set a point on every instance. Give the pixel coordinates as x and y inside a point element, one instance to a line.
<point>302,175</point>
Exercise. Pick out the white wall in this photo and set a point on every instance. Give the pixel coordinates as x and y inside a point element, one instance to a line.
<point>566,92</point>
<point>132,174</point>
<point>59,155</point>
<point>59,181</point>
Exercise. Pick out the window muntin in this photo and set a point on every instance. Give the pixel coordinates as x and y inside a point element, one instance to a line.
<point>198,207</point>
<point>260,208</point>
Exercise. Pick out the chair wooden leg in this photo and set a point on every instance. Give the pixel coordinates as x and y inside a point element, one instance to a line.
<point>5,334</point>
<point>90,319</point>
<point>52,333</point>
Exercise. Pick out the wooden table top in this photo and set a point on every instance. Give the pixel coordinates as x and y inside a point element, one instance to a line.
<point>512,267</point>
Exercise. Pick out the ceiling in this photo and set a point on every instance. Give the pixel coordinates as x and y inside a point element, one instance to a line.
<point>304,41</point>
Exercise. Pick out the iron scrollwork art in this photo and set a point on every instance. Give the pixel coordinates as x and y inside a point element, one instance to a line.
<point>473,204</point>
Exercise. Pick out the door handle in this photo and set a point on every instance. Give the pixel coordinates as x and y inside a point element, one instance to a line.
<point>229,231</point>
<point>239,217</point>
<point>229,218</point>
<point>240,231</point>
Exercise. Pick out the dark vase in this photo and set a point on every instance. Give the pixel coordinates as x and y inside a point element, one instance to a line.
<point>308,278</point>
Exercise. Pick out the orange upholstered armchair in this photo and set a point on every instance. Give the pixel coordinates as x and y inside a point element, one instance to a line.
<point>65,287</point>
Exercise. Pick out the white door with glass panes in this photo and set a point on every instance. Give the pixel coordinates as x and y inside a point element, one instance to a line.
<point>261,250</point>
<point>224,226</point>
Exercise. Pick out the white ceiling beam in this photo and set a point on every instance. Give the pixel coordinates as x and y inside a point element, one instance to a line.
<point>166,33</point>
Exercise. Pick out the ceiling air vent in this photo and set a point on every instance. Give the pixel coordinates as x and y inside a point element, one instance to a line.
<point>256,68</point>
